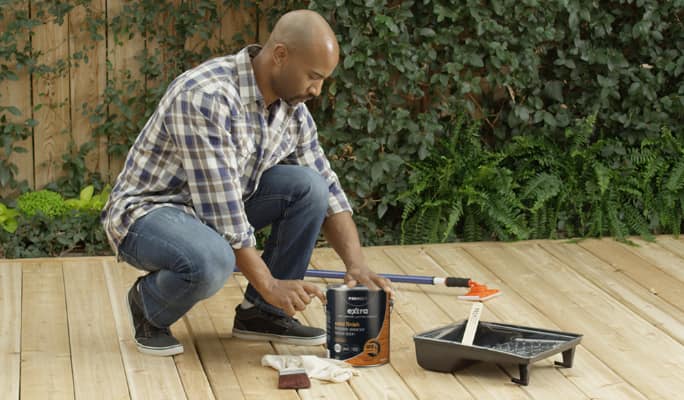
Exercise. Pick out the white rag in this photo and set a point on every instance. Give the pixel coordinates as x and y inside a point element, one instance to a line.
<point>316,367</point>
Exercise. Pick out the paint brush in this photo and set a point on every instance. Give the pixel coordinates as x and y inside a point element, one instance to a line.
<point>293,378</point>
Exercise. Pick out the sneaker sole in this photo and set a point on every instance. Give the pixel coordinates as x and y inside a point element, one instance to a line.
<point>153,351</point>
<point>270,337</point>
<point>156,351</point>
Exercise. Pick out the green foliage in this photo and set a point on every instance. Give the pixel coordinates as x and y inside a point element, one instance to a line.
<point>527,71</point>
<point>47,225</point>
<point>42,236</point>
<point>8,218</point>
<point>10,135</point>
<point>184,34</point>
<point>88,201</point>
<point>45,202</point>
<point>444,188</point>
<point>77,174</point>
<point>582,185</point>
<point>590,185</point>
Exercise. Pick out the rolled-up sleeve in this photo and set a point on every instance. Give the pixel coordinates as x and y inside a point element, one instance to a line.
<point>199,125</point>
<point>309,152</point>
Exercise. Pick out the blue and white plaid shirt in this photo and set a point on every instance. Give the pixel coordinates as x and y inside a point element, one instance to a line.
<point>205,148</point>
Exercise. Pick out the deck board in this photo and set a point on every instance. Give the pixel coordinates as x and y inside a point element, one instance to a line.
<point>148,377</point>
<point>594,377</point>
<point>636,297</point>
<point>612,332</point>
<point>675,246</point>
<point>45,350</point>
<point>97,365</point>
<point>217,366</point>
<point>192,375</point>
<point>661,257</point>
<point>627,301</point>
<point>561,387</point>
<point>415,313</point>
<point>624,261</point>
<point>10,329</point>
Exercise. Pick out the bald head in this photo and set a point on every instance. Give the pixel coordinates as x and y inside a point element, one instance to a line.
<point>304,30</point>
<point>300,53</point>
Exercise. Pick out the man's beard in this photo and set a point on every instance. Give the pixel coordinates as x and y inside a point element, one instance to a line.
<point>293,101</point>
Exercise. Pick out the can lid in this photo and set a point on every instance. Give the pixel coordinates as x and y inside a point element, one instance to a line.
<point>343,287</point>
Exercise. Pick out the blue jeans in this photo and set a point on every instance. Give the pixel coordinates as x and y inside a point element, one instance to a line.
<point>189,261</point>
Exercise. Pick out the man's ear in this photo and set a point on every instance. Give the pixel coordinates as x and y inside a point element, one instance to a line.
<point>280,54</point>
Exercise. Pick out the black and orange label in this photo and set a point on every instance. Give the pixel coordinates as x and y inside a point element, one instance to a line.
<point>358,325</point>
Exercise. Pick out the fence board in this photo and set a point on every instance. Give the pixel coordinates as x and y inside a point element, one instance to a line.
<point>63,94</point>
<point>52,91</point>
<point>238,22</point>
<point>122,51</point>
<point>18,94</point>
<point>262,11</point>
<point>88,80</point>
<point>153,44</point>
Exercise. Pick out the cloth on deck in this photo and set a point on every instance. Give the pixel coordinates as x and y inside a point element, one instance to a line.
<point>316,367</point>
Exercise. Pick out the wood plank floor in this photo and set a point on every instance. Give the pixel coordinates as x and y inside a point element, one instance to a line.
<point>64,332</point>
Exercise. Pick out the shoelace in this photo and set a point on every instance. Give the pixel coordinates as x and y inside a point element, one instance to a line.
<point>289,321</point>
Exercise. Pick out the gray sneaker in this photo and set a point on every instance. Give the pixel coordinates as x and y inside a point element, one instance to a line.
<point>148,338</point>
<point>256,324</point>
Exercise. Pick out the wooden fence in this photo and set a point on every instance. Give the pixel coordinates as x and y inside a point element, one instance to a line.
<point>60,118</point>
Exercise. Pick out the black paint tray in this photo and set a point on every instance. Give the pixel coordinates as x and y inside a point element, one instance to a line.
<point>441,349</point>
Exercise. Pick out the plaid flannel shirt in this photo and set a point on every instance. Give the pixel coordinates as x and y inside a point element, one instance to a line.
<point>205,148</point>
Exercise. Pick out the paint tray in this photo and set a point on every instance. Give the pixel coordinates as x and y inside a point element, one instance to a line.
<point>441,349</point>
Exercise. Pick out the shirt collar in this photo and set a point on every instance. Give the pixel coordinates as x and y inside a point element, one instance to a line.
<point>247,84</point>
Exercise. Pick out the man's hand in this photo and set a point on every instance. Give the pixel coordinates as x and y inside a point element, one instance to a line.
<point>362,275</point>
<point>341,232</point>
<point>291,295</point>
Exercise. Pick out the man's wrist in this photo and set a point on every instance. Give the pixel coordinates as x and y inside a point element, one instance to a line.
<point>255,270</point>
<point>265,286</point>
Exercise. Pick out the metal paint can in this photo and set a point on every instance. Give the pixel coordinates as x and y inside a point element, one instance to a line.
<point>358,325</point>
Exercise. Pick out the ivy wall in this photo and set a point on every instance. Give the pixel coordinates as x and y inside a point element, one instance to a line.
<point>446,120</point>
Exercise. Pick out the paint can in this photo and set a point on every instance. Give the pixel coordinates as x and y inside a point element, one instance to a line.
<point>358,325</point>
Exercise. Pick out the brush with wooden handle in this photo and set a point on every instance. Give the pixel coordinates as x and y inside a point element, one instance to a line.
<point>293,378</point>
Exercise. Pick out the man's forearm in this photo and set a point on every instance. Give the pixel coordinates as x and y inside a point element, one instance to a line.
<point>340,231</point>
<point>254,268</point>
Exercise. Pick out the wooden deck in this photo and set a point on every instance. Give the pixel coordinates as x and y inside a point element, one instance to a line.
<point>64,332</point>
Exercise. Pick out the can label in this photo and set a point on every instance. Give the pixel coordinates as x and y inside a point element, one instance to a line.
<point>358,325</point>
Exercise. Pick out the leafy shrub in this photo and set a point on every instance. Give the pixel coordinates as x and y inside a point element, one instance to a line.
<point>526,70</point>
<point>46,225</point>
<point>42,236</point>
<point>445,189</point>
<point>87,200</point>
<point>8,218</point>
<point>46,202</point>
<point>580,185</point>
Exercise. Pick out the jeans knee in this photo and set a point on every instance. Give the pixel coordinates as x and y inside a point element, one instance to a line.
<point>213,269</point>
<point>315,191</point>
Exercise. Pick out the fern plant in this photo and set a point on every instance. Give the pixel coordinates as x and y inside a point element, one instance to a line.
<point>668,177</point>
<point>460,181</point>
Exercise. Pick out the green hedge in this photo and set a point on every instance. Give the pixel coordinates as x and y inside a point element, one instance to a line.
<point>44,223</point>
<point>453,120</point>
<point>529,71</point>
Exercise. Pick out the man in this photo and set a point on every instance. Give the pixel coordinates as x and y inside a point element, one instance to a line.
<point>231,149</point>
